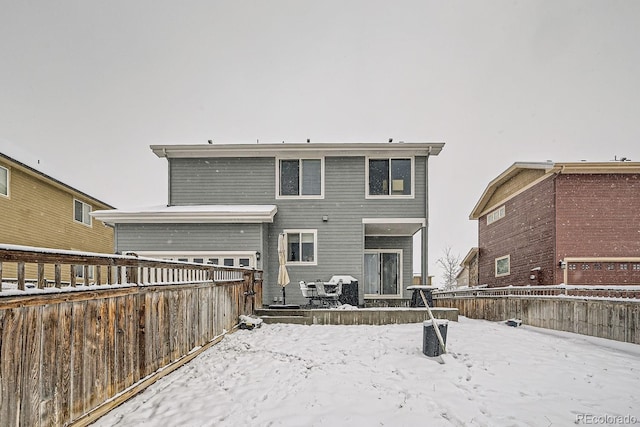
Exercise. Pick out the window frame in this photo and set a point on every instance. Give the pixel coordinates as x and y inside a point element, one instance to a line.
<point>379,252</point>
<point>301,231</point>
<point>300,179</point>
<point>78,271</point>
<point>497,260</point>
<point>88,214</point>
<point>496,215</point>
<point>8,180</point>
<point>390,196</point>
<point>206,256</point>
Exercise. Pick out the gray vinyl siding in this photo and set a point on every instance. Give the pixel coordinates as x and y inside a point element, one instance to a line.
<point>252,181</point>
<point>226,181</point>
<point>196,237</point>
<point>341,238</point>
<point>188,237</point>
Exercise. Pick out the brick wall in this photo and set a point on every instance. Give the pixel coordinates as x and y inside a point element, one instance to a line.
<point>599,216</point>
<point>526,234</point>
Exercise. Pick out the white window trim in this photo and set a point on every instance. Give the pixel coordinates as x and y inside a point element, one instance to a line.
<point>79,271</point>
<point>400,278</point>
<point>390,196</point>
<point>508,258</point>
<point>8,182</point>
<point>84,205</point>
<point>315,246</point>
<point>496,215</point>
<point>202,254</point>
<point>316,197</point>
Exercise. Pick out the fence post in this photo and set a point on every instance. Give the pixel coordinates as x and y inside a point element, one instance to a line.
<point>41,278</point>
<point>21,275</point>
<point>57,275</point>
<point>72,278</point>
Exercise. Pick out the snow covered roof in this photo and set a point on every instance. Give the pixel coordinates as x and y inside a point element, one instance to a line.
<point>32,165</point>
<point>189,214</point>
<point>297,149</point>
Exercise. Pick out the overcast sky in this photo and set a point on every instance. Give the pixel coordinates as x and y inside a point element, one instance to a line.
<point>87,86</point>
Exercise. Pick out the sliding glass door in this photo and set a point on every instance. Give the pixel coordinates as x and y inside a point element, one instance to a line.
<point>382,272</point>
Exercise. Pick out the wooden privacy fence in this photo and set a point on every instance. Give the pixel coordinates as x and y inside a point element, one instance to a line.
<point>611,312</point>
<point>70,352</point>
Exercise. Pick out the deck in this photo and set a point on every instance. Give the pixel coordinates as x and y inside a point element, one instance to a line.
<point>360,316</point>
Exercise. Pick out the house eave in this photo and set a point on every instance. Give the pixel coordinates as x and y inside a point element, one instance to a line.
<point>378,227</point>
<point>206,215</point>
<point>298,149</point>
<point>513,170</point>
<point>550,168</point>
<point>31,171</point>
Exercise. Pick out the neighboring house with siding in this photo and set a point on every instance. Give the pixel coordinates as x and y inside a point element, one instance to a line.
<point>39,210</point>
<point>552,223</point>
<point>345,208</point>
<point>468,274</point>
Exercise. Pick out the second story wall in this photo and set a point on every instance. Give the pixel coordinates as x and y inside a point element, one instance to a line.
<point>598,215</point>
<point>38,213</point>
<point>197,181</point>
<point>521,238</point>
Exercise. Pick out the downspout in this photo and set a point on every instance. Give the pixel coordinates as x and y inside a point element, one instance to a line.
<point>169,201</point>
<point>424,268</point>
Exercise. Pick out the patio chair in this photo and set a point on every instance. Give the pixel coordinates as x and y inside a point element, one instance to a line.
<point>308,292</point>
<point>327,297</point>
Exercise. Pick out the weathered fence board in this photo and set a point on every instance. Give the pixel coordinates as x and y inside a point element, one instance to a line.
<point>67,356</point>
<point>613,319</point>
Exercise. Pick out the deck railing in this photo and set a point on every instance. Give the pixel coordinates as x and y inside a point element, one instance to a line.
<point>41,268</point>
<point>72,349</point>
<point>590,291</point>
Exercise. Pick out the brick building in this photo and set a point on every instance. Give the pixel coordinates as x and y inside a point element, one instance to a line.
<point>552,223</point>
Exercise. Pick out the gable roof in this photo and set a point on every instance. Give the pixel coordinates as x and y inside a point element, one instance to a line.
<point>522,175</point>
<point>298,149</point>
<point>25,161</point>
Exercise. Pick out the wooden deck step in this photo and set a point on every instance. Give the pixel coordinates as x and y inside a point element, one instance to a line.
<point>296,320</point>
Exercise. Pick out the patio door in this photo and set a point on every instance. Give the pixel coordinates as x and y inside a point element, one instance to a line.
<point>382,272</point>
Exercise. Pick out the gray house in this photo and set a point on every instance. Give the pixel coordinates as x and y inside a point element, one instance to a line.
<point>345,208</point>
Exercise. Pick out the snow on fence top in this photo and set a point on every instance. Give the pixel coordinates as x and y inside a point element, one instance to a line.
<point>614,292</point>
<point>26,269</point>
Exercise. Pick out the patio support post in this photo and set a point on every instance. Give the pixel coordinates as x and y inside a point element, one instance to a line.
<point>424,268</point>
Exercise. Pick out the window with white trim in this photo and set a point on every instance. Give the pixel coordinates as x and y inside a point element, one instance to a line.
<point>81,212</point>
<point>4,182</point>
<point>302,248</point>
<point>300,178</point>
<point>79,271</point>
<point>222,258</point>
<point>390,177</point>
<point>503,266</point>
<point>495,215</point>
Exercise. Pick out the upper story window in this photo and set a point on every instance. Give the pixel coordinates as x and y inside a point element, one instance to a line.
<point>300,178</point>
<point>81,212</point>
<point>495,215</point>
<point>390,177</point>
<point>4,181</point>
<point>302,246</point>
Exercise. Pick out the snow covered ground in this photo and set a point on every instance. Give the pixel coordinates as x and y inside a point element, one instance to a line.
<point>493,375</point>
